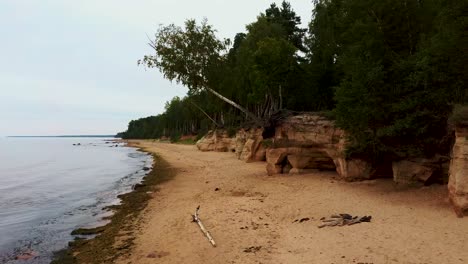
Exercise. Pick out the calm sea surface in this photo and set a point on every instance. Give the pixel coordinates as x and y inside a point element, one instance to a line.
<point>48,187</point>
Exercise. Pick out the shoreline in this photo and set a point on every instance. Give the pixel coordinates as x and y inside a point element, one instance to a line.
<point>125,217</point>
<point>256,218</point>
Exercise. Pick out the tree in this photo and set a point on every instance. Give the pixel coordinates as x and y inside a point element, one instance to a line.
<point>188,55</point>
<point>289,21</point>
<point>393,98</point>
<point>264,62</point>
<point>323,71</point>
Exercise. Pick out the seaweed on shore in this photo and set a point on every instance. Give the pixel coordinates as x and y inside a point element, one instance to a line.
<point>88,231</point>
<point>116,238</point>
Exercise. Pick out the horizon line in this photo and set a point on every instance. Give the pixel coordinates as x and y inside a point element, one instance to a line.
<point>62,136</point>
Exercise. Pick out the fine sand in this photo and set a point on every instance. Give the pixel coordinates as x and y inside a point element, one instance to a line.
<point>251,216</point>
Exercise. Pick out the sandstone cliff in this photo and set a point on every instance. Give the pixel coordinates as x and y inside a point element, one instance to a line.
<point>247,143</point>
<point>458,180</point>
<point>311,141</point>
<point>216,140</point>
<point>299,143</point>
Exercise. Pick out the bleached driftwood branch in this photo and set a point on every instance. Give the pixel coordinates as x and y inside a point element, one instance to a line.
<point>197,219</point>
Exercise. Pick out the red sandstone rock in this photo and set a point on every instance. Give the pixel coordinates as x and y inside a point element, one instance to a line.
<point>310,141</point>
<point>249,145</point>
<point>458,179</point>
<point>409,171</point>
<point>216,140</point>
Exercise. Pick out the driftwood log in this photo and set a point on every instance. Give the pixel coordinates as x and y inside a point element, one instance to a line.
<point>343,219</point>
<point>196,218</point>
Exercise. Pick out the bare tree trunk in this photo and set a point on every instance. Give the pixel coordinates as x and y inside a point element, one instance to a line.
<point>242,109</point>
<point>280,98</point>
<point>266,106</point>
<point>207,115</point>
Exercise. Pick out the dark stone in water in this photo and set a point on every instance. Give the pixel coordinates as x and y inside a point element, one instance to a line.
<point>146,168</point>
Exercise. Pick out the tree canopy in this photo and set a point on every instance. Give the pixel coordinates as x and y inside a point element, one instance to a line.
<point>388,71</point>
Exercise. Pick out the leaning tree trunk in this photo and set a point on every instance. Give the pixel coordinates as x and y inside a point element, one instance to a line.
<point>206,114</point>
<point>242,109</point>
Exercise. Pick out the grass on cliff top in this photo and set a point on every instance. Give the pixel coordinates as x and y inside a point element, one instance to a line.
<point>116,238</point>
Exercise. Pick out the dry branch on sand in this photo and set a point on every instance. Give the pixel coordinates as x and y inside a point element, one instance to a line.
<point>343,219</point>
<point>196,218</point>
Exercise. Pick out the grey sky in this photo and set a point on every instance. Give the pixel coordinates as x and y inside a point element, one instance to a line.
<point>69,67</point>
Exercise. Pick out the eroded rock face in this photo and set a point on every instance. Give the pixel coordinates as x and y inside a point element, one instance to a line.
<point>354,169</point>
<point>458,178</point>
<point>248,144</point>
<point>417,170</point>
<point>310,141</point>
<point>216,140</point>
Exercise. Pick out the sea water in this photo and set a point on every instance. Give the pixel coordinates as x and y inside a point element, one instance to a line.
<point>49,187</point>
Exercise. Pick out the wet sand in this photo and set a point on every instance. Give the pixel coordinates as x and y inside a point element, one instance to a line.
<point>251,216</point>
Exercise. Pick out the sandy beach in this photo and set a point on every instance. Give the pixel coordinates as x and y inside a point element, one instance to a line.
<point>252,216</point>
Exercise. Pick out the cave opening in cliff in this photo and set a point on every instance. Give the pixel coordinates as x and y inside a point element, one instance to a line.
<point>311,160</point>
<point>321,163</point>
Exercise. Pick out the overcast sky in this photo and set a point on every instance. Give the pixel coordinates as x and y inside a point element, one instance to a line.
<point>69,66</point>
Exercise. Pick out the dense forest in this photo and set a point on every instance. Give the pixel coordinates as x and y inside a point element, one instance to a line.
<point>389,72</point>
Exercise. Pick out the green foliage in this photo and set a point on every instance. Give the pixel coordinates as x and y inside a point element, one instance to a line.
<point>392,99</point>
<point>201,134</point>
<point>231,131</point>
<point>175,136</point>
<point>323,72</point>
<point>389,73</point>
<point>267,143</point>
<point>459,116</point>
<point>186,116</point>
<point>185,55</point>
<point>289,21</point>
<point>264,68</point>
